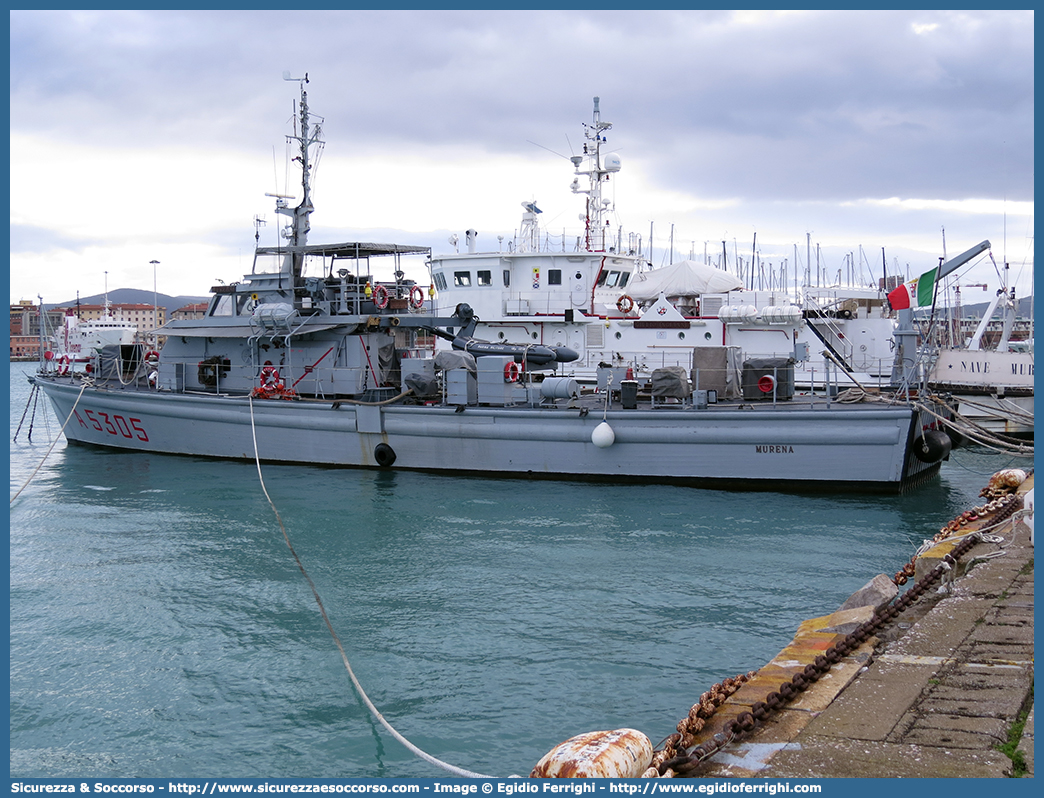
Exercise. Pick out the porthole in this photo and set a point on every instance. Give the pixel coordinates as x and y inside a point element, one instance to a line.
<point>619,335</point>
<point>681,336</point>
<point>707,335</point>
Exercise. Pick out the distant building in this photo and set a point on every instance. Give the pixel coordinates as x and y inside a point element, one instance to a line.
<point>196,311</point>
<point>145,317</point>
<point>25,329</point>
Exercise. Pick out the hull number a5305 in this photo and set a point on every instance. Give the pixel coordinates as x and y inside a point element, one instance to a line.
<point>112,424</point>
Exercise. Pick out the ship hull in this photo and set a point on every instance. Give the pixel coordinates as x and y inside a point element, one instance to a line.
<point>993,390</point>
<point>819,448</point>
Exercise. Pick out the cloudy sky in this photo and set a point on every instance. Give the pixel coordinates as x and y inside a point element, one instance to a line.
<point>154,135</point>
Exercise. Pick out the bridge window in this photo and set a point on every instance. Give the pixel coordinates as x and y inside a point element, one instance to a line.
<point>507,277</point>
<point>624,276</point>
<point>554,276</point>
<point>223,306</point>
<point>462,279</point>
<point>485,277</point>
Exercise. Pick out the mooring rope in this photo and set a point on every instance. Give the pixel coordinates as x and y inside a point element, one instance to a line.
<point>337,641</point>
<point>34,396</point>
<point>53,443</point>
<point>977,433</point>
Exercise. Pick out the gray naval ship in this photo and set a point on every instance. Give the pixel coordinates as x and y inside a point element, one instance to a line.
<point>309,359</point>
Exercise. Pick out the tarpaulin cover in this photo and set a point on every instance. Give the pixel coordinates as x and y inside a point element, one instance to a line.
<point>684,278</point>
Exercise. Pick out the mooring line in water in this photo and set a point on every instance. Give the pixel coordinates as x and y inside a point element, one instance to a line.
<point>337,641</point>
<point>34,396</point>
<point>53,443</point>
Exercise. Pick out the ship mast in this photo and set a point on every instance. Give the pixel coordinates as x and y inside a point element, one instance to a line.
<point>297,231</point>
<point>597,172</point>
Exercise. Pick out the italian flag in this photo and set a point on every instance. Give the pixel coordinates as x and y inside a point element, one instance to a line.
<point>916,293</point>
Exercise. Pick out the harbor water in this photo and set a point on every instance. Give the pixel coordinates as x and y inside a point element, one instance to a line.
<point>160,626</point>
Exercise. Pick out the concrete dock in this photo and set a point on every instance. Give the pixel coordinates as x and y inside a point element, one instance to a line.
<point>934,694</point>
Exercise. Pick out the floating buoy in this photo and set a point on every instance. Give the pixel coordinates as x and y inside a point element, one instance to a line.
<point>603,436</point>
<point>617,754</point>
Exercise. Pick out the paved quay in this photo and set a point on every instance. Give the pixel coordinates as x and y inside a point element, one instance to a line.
<point>933,694</point>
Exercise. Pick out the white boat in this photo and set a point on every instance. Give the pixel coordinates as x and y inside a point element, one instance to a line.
<point>79,341</point>
<point>308,359</point>
<point>848,331</point>
<point>595,293</point>
<point>991,387</point>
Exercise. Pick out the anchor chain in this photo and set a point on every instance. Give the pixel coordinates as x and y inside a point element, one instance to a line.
<point>1004,502</point>
<point>697,718</point>
<point>746,722</point>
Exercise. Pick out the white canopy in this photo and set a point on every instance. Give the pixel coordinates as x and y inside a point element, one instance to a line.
<point>684,278</point>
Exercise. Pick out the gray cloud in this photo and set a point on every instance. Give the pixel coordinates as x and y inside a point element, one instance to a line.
<point>773,110</point>
<point>833,104</point>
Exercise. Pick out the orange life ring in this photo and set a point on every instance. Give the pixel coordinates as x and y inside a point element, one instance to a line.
<point>64,363</point>
<point>272,385</point>
<point>511,371</point>
<point>270,377</point>
<point>416,297</point>
<point>380,297</point>
<point>625,304</point>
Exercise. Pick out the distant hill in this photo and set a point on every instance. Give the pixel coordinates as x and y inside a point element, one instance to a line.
<point>132,296</point>
<point>1023,308</point>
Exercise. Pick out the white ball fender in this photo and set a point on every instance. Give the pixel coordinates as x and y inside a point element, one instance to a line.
<point>603,436</point>
<point>620,754</point>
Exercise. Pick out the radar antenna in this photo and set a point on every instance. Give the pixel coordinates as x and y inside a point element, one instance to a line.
<point>310,134</point>
<point>597,172</point>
